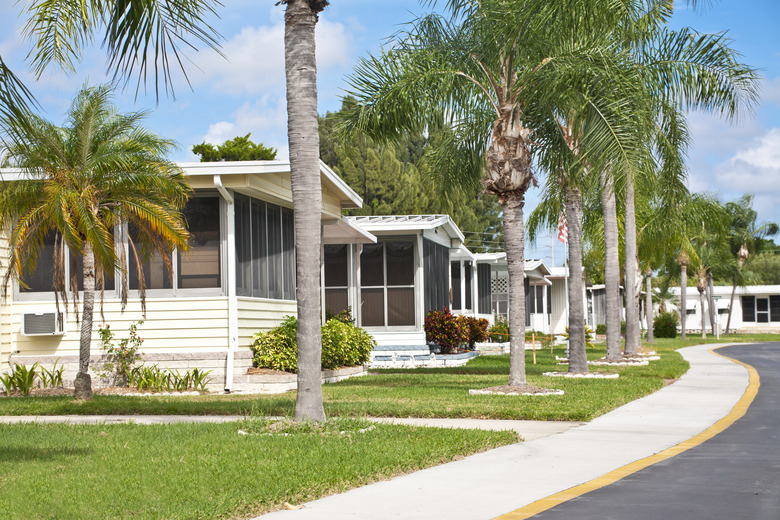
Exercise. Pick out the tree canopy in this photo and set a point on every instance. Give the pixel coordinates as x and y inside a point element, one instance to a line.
<point>240,148</point>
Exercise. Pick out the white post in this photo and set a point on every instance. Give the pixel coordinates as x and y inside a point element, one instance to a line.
<point>230,285</point>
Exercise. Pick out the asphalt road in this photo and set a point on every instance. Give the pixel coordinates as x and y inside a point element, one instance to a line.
<point>734,475</point>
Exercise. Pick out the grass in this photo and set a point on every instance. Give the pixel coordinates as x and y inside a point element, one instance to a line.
<point>206,470</point>
<point>416,393</point>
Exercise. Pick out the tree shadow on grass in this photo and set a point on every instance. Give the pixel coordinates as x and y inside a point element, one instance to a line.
<point>29,454</point>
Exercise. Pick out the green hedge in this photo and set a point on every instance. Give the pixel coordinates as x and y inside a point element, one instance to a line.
<point>343,344</point>
<point>665,325</point>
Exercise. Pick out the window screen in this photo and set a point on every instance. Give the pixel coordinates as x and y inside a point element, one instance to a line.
<point>749,308</point>
<point>467,274</point>
<point>387,284</point>
<point>774,307</point>
<point>483,288</point>
<point>40,279</point>
<point>436,261</point>
<point>199,267</point>
<point>455,276</point>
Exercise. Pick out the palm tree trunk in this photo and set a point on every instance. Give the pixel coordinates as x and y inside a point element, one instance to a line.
<point>578,358</point>
<point>731,305</point>
<point>683,296</point>
<point>711,302</point>
<point>514,237</point>
<point>302,133</point>
<point>611,266</point>
<point>83,382</point>
<point>703,325</point>
<point>633,329</point>
<point>649,304</point>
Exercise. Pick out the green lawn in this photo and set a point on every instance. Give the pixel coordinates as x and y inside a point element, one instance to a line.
<point>204,470</point>
<point>416,393</point>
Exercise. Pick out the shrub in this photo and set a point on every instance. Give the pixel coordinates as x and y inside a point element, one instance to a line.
<point>21,379</point>
<point>665,325</point>
<point>343,344</point>
<point>476,329</point>
<point>623,327</point>
<point>499,331</point>
<point>601,329</point>
<point>445,329</point>
<point>277,349</point>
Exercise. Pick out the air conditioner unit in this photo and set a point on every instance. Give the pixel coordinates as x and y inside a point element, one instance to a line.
<point>43,324</point>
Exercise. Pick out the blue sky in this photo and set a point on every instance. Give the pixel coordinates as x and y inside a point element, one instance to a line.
<point>246,92</point>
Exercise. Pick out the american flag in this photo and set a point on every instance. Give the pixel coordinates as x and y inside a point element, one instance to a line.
<point>563,231</point>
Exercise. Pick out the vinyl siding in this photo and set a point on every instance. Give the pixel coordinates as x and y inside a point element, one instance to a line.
<point>255,315</point>
<point>172,325</point>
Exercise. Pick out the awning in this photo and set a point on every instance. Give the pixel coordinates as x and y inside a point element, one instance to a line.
<point>343,231</point>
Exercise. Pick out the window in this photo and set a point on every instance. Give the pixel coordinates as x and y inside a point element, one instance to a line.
<point>749,308</point>
<point>435,262</point>
<point>154,267</point>
<point>265,249</point>
<point>387,284</point>
<point>762,310</point>
<point>483,288</point>
<point>536,299</point>
<point>455,284</point>
<point>468,273</point>
<point>336,278</point>
<point>199,267</point>
<point>41,279</point>
<point>774,307</point>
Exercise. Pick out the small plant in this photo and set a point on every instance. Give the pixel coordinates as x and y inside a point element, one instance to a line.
<point>445,329</point>
<point>665,325</point>
<point>588,336</point>
<point>601,329</point>
<point>9,382</point>
<point>476,329</point>
<point>499,332</point>
<point>22,379</point>
<point>52,378</point>
<point>198,378</point>
<point>119,359</point>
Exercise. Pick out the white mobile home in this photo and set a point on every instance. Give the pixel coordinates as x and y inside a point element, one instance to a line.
<point>756,308</point>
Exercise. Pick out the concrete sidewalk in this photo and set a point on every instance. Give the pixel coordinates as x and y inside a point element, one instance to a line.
<point>490,484</point>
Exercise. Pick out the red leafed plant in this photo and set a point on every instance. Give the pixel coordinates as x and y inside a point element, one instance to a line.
<point>476,329</point>
<point>445,329</point>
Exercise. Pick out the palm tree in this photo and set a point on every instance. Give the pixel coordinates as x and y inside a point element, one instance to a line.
<point>84,181</point>
<point>300,19</point>
<point>493,72</point>
<point>745,237</point>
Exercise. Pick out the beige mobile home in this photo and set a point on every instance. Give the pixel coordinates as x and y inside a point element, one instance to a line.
<point>237,279</point>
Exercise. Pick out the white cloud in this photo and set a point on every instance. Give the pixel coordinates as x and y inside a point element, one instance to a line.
<point>255,58</point>
<point>264,118</point>
<point>754,169</point>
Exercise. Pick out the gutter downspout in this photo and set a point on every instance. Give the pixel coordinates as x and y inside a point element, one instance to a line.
<point>231,283</point>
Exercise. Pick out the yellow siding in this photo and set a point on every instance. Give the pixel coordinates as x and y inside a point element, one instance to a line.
<point>255,315</point>
<point>5,306</point>
<point>171,325</point>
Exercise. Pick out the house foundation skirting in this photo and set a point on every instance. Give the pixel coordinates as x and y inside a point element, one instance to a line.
<point>214,361</point>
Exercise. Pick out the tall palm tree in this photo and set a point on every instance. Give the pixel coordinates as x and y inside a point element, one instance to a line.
<point>746,237</point>
<point>493,71</point>
<point>300,19</point>
<point>84,181</point>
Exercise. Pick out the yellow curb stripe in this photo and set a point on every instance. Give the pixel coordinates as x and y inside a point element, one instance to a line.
<point>735,414</point>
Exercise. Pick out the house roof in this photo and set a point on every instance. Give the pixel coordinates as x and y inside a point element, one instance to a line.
<point>330,179</point>
<point>389,223</point>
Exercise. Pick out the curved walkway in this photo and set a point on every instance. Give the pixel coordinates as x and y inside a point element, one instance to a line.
<point>490,484</point>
